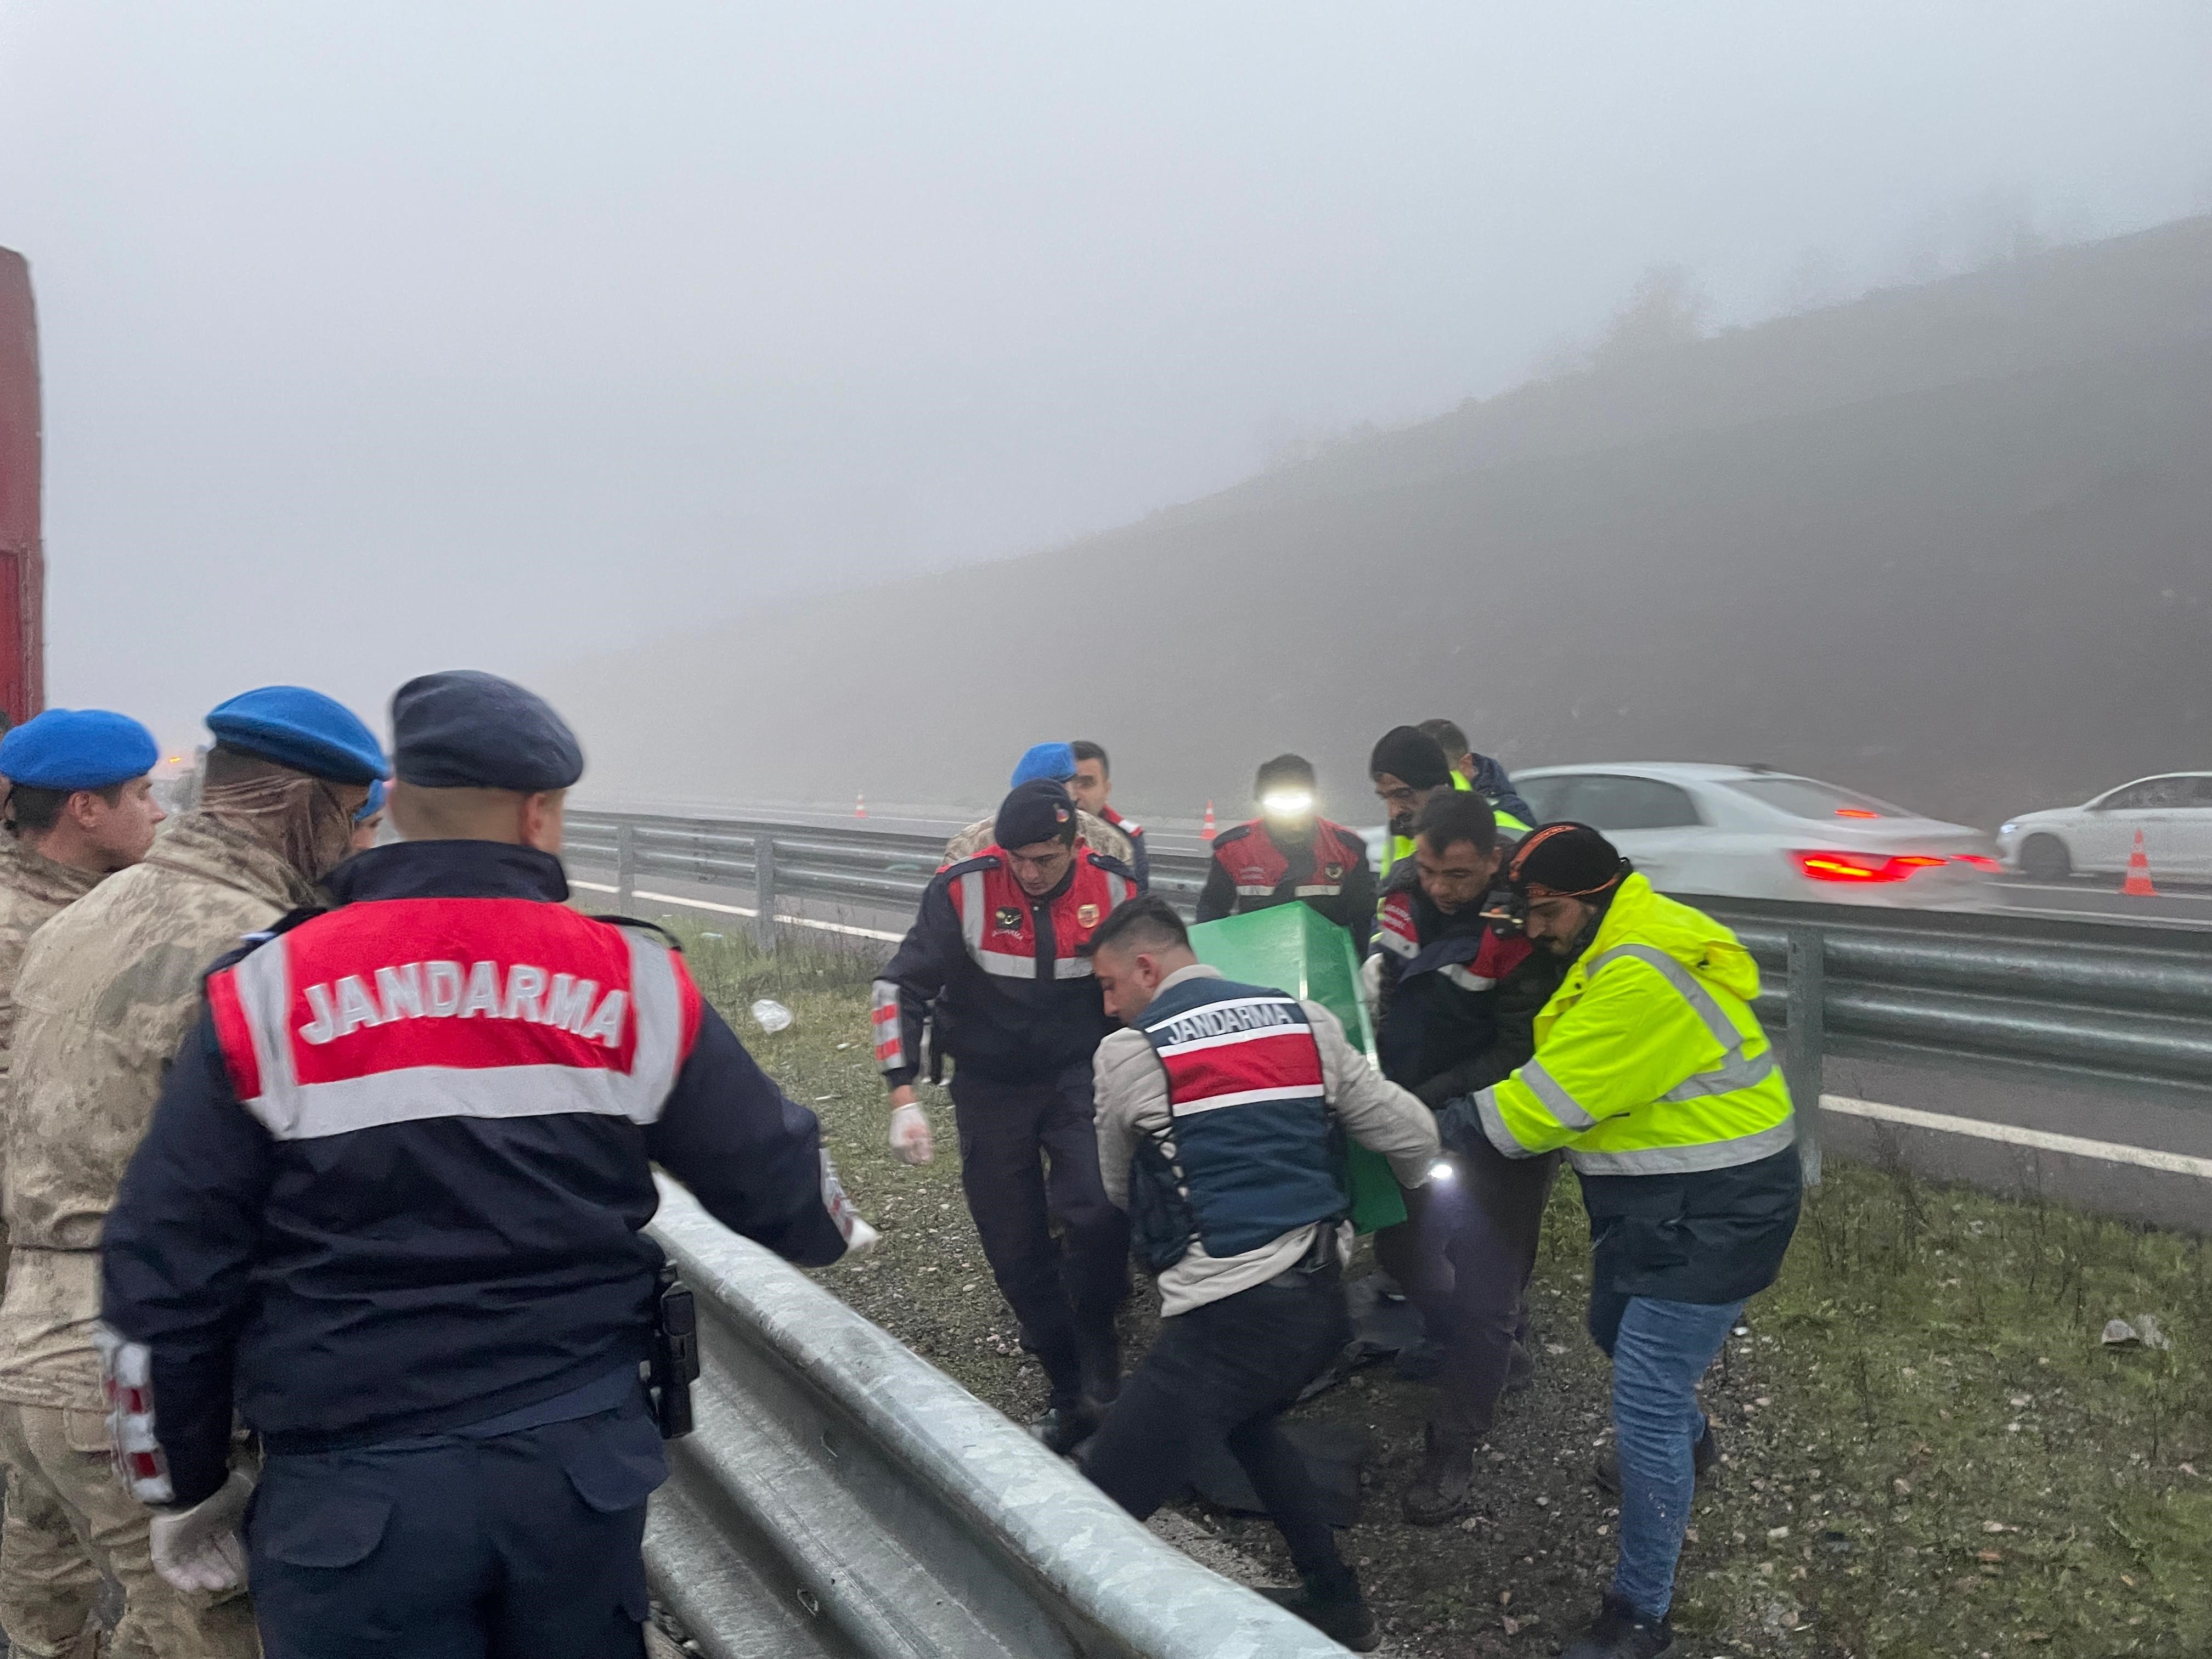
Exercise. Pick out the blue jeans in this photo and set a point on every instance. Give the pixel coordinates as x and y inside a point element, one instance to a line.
<point>1660,1352</point>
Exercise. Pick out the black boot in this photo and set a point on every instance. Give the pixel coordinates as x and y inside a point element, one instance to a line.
<point>1622,1632</point>
<point>1339,1611</point>
<point>1445,1482</point>
<point>1099,1365</point>
<point>1704,1456</point>
<point>1067,1425</point>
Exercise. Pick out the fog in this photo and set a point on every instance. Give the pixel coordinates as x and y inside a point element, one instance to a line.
<point>384,338</point>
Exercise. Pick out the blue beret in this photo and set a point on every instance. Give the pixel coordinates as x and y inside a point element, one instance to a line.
<point>467,730</point>
<point>1054,760</point>
<point>374,804</point>
<point>301,729</point>
<point>77,749</point>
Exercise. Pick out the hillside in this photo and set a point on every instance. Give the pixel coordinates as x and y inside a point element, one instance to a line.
<point>1951,544</point>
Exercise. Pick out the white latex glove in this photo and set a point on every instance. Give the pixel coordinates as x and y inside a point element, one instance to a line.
<point>910,1134</point>
<point>859,1242</point>
<point>199,1548</point>
<point>1371,984</point>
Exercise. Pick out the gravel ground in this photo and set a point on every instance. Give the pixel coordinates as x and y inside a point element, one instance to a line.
<point>1928,1450</point>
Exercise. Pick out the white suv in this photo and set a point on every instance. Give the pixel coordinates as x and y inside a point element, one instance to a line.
<point>1751,832</point>
<point>2174,813</point>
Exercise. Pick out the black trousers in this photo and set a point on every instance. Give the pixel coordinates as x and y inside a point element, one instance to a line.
<point>1228,1370</point>
<point>1464,1257</point>
<point>524,1547</point>
<point>1029,1160</point>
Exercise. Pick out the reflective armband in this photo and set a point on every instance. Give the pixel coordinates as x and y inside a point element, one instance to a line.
<point>126,1379</point>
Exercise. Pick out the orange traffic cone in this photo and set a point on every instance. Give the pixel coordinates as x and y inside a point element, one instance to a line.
<point>1207,834</point>
<point>2137,886</point>
<point>860,804</point>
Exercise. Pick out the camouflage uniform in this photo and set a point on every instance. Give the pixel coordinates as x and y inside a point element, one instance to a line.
<point>1100,836</point>
<point>107,994</point>
<point>32,889</point>
<point>37,1550</point>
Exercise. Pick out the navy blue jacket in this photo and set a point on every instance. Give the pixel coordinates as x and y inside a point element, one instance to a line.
<point>1491,781</point>
<point>349,1286</point>
<point>1458,1002</point>
<point>1001,974</point>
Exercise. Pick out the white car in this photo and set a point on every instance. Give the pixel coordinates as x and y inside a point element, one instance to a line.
<point>2173,812</point>
<point>1750,832</point>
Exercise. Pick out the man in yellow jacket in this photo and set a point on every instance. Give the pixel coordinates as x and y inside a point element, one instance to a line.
<point>1651,1070</point>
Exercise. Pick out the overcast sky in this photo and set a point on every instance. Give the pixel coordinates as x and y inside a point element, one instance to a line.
<point>380,338</point>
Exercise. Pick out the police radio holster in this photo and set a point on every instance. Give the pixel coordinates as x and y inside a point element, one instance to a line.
<point>675,1364</point>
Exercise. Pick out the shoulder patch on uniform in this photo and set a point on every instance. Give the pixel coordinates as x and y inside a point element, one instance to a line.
<point>1234,832</point>
<point>1395,932</point>
<point>1107,861</point>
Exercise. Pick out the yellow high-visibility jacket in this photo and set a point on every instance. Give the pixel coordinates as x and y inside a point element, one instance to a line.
<point>1648,1059</point>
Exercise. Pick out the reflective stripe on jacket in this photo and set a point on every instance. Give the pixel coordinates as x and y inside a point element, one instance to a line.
<point>1648,1059</point>
<point>1013,996</point>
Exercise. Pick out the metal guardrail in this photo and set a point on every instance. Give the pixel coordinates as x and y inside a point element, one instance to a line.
<point>865,866</point>
<point>2122,1002</point>
<point>842,1496</point>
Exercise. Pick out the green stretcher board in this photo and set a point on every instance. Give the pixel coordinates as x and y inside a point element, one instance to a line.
<point>1293,948</point>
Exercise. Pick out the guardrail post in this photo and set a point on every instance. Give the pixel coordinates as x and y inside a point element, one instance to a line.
<point>1806,1039</point>
<point>625,868</point>
<point>764,890</point>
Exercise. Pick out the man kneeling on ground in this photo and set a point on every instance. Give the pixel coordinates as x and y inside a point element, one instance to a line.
<point>1215,1110</point>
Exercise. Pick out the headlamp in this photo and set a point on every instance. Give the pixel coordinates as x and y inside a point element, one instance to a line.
<point>1506,910</point>
<point>1287,802</point>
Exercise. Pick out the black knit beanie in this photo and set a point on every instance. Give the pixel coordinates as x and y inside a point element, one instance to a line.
<point>1411,756</point>
<point>1571,859</point>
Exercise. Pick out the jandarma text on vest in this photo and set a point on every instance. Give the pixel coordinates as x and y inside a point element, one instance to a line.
<point>1224,1018</point>
<point>448,990</point>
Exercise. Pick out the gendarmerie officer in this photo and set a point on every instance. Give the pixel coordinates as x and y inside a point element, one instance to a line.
<point>390,1205</point>
<point>1290,855</point>
<point>1457,1011</point>
<point>1218,1111</point>
<point>998,946</point>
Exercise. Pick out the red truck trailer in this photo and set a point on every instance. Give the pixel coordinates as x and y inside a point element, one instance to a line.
<point>22,560</point>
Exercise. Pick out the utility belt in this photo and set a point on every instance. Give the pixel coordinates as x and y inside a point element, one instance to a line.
<point>674,1366</point>
<point>1322,1261</point>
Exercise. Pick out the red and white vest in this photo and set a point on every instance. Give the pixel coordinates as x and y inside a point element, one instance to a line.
<point>403,1010</point>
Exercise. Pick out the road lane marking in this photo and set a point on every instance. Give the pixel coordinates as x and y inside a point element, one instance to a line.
<point>2141,918</point>
<point>740,910</point>
<point>2012,1134</point>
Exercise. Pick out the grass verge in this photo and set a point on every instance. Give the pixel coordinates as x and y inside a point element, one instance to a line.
<point>1928,1450</point>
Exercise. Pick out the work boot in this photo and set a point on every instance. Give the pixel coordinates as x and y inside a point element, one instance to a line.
<point>1445,1482</point>
<point>1419,1362</point>
<point>1520,1370</point>
<point>1066,1425</point>
<point>1622,1632</point>
<point>1704,1457</point>
<point>1099,1365</point>
<point>1341,1612</point>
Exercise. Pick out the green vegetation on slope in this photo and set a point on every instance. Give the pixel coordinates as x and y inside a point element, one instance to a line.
<point>1929,1451</point>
